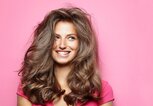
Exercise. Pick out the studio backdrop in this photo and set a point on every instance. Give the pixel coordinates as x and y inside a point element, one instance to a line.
<point>125,39</point>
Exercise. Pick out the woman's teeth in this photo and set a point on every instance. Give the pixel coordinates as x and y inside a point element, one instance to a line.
<point>63,53</point>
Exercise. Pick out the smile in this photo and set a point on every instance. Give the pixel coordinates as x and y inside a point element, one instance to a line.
<point>63,53</point>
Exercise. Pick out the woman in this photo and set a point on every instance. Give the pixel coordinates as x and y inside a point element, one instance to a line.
<point>60,67</point>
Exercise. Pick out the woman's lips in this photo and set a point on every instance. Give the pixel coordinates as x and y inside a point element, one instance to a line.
<point>62,53</point>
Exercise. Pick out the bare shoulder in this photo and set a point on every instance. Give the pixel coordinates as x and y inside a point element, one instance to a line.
<point>107,104</point>
<point>21,101</point>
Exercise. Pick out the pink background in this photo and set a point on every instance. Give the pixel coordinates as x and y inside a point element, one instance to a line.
<point>125,34</point>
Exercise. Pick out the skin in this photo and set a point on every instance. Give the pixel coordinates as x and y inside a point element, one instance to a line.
<point>64,50</point>
<point>21,101</point>
<point>66,43</point>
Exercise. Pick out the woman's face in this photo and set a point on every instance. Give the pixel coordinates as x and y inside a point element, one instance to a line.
<point>66,43</point>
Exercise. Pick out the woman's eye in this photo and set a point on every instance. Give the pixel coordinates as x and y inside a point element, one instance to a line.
<point>71,38</point>
<point>57,37</point>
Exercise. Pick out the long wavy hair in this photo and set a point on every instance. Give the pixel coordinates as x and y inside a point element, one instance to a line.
<point>37,72</point>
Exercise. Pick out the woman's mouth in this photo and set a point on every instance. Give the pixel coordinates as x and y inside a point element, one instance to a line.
<point>63,53</point>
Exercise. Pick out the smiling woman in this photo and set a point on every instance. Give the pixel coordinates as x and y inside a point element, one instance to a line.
<point>60,68</point>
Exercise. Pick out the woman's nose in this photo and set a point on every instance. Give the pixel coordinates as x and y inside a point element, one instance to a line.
<point>62,44</point>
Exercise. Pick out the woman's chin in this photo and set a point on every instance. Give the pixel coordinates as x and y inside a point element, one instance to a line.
<point>62,63</point>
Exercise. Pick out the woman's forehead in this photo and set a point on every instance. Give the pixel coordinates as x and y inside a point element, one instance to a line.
<point>64,27</point>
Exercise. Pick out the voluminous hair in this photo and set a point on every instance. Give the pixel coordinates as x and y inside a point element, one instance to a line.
<point>37,73</point>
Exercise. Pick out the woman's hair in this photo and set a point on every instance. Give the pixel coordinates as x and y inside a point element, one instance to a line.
<point>38,79</point>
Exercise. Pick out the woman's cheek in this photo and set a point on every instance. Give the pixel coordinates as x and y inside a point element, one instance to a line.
<point>74,45</point>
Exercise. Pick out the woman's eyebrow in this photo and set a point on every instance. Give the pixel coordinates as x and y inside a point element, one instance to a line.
<point>57,34</point>
<point>71,34</point>
<point>67,34</point>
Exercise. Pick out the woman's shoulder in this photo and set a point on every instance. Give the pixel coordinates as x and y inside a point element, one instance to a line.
<point>106,93</point>
<point>20,91</point>
<point>105,84</point>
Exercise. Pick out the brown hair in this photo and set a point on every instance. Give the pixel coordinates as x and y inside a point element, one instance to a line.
<point>38,79</point>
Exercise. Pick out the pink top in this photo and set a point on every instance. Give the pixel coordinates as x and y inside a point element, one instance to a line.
<point>107,95</point>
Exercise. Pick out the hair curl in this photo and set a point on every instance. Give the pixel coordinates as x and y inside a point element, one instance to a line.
<point>38,79</point>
